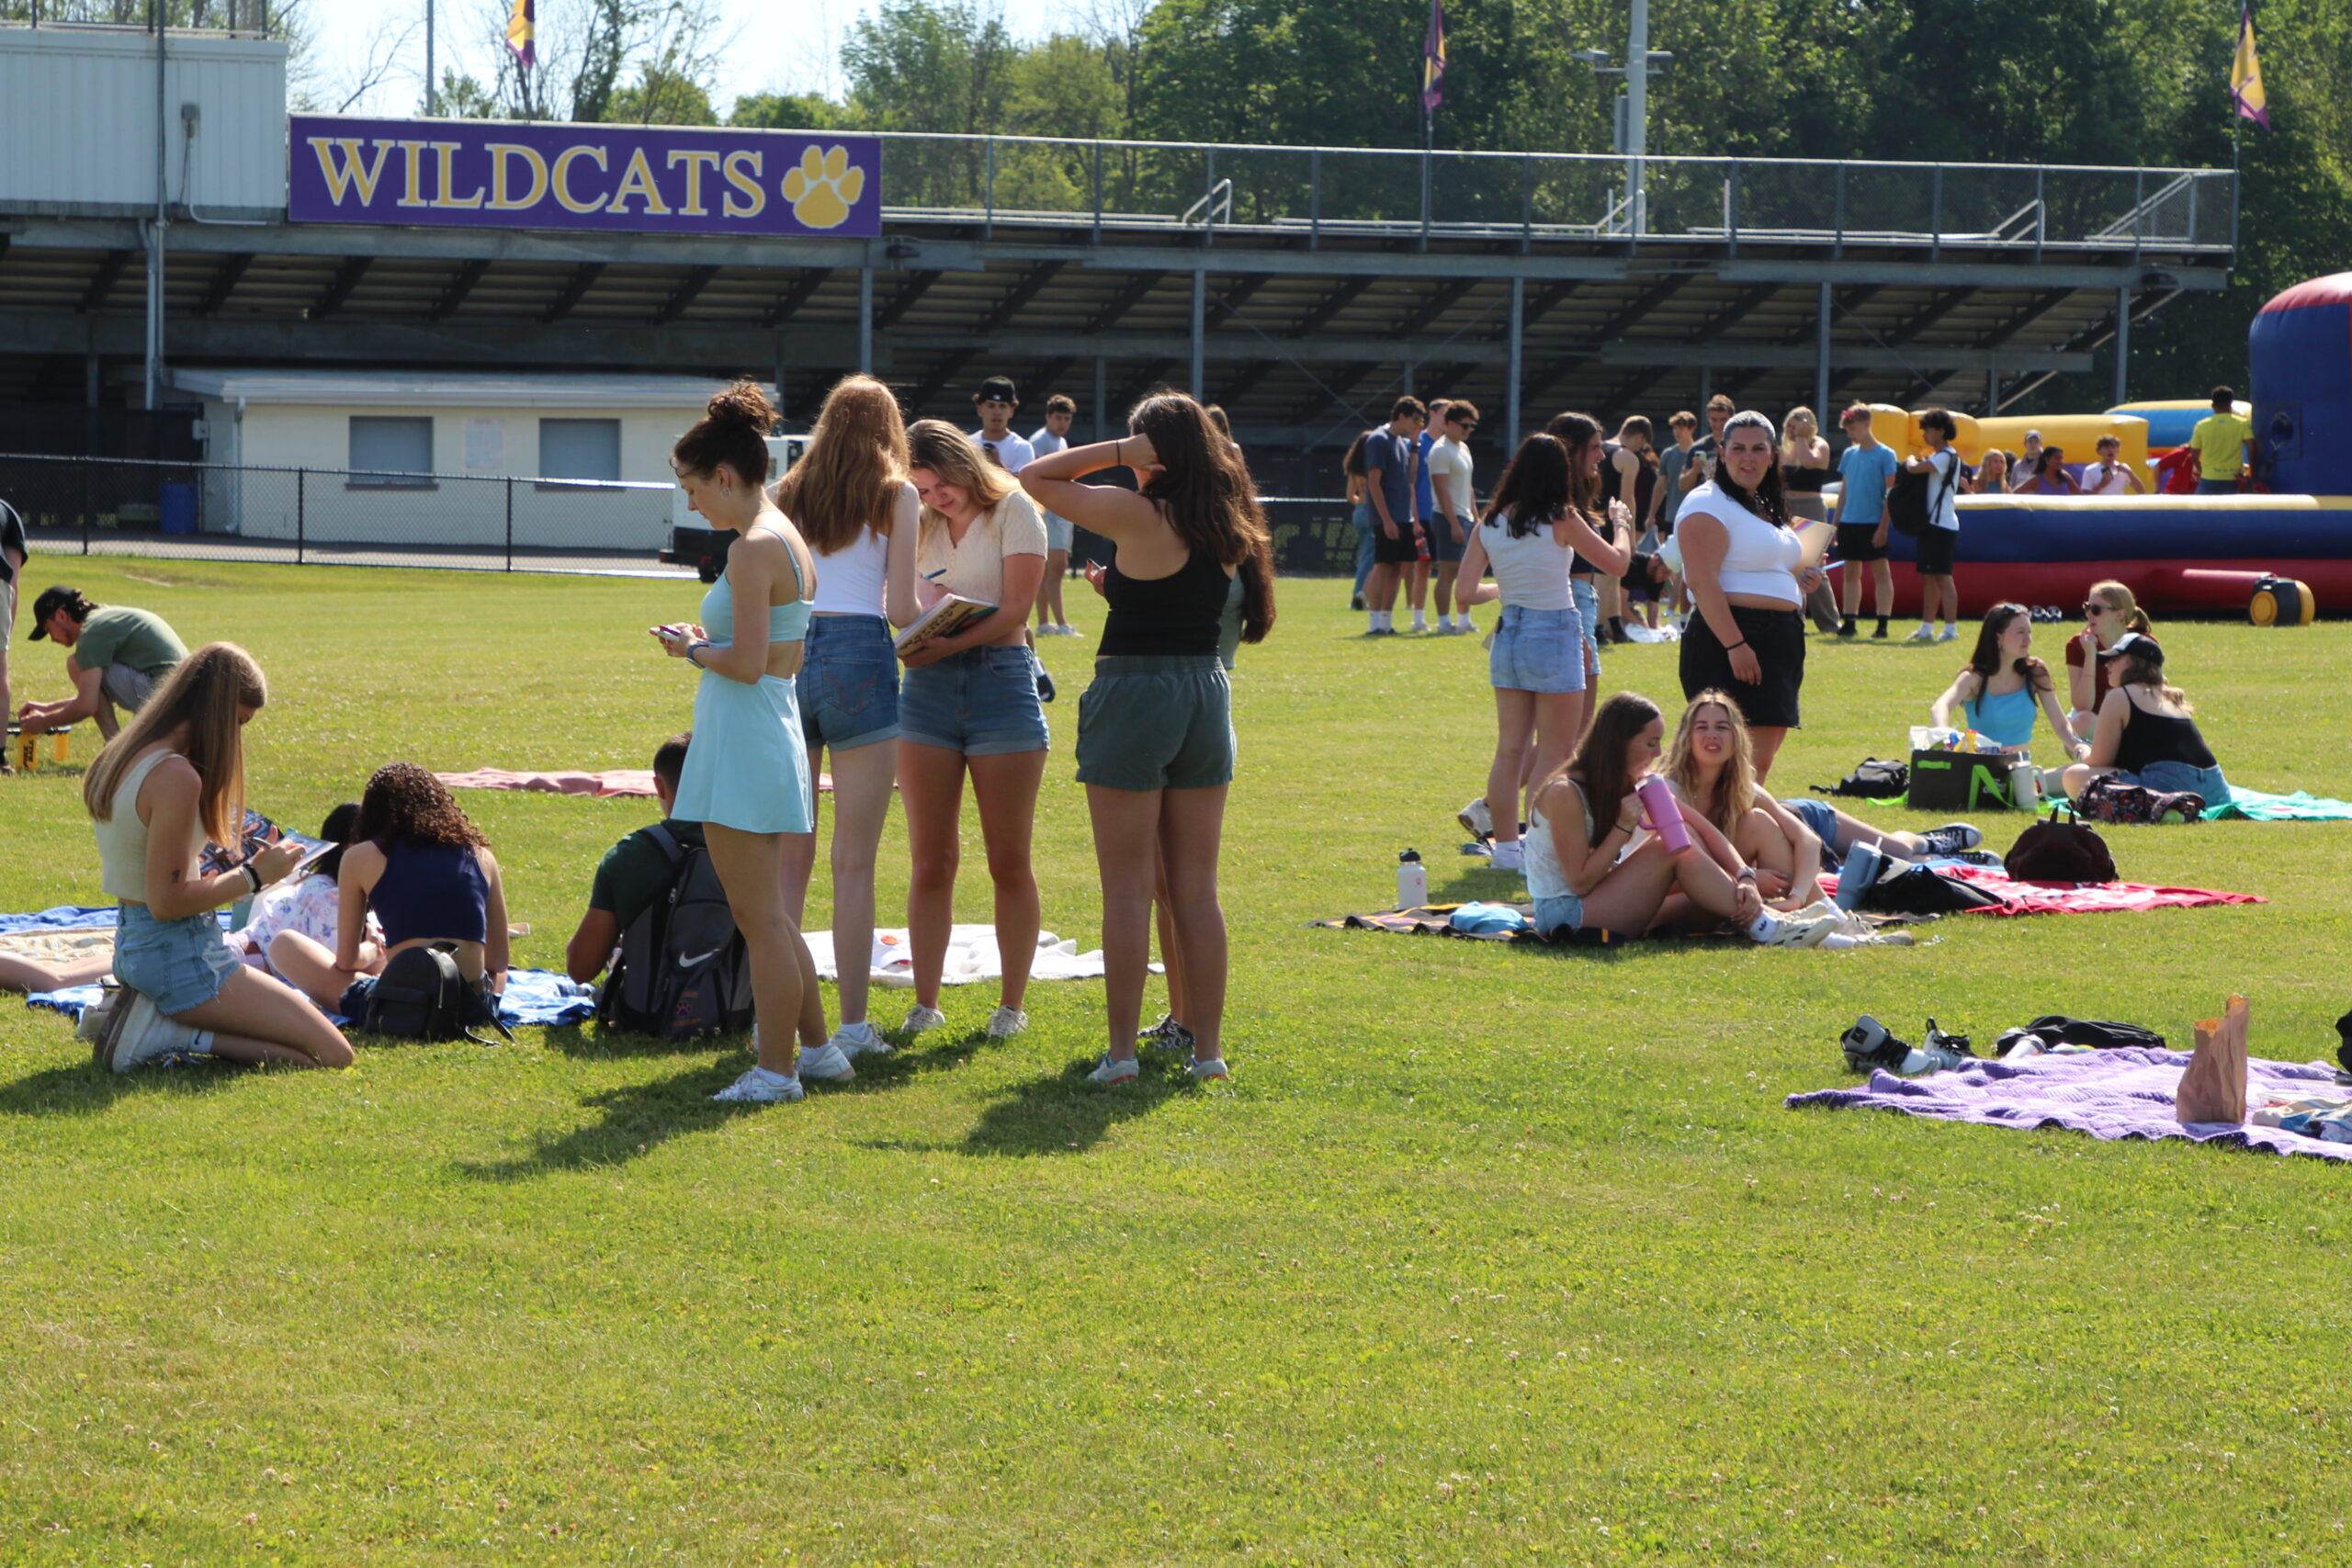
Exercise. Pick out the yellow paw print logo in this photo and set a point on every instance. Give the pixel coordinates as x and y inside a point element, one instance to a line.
<point>824,187</point>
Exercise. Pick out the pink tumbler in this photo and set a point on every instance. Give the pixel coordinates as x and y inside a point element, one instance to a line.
<point>1665,813</point>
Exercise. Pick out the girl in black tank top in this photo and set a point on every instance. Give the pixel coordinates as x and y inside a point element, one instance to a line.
<point>1177,615</point>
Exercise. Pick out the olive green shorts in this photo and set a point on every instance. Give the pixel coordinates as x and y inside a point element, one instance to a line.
<point>1153,721</point>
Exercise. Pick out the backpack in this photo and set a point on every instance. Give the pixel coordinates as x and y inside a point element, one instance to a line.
<point>422,994</point>
<point>1920,890</point>
<point>1875,779</point>
<point>1909,505</point>
<point>683,969</point>
<point>2052,850</point>
<point>2098,1033</point>
<point>2111,799</point>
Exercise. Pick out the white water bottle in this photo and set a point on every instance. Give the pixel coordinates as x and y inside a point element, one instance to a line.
<point>2025,785</point>
<point>1412,881</point>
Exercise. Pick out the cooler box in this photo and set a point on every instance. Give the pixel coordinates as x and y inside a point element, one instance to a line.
<point>1959,781</point>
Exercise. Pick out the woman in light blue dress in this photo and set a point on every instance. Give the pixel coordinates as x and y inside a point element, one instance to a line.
<point>746,776</point>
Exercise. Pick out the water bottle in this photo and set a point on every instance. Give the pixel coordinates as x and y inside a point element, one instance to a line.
<point>2025,785</point>
<point>1412,881</point>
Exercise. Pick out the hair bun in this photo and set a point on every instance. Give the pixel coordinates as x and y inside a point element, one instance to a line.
<point>746,404</point>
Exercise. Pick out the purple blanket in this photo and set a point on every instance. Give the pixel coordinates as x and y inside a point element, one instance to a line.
<point>2108,1094</point>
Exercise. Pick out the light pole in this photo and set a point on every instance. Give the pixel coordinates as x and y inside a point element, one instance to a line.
<point>1633,118</point>
<point>430,84</point>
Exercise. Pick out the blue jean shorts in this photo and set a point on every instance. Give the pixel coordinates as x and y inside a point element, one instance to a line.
<point>849,683</point>
<point>1822,818</point>
<point>2173,777</point>
<point>177,965</point>
<point>1562,912</point>
<point>1058,533</point>
<point>1536,651</point>
<point>982,702</point>
<point>1587,598</point>
<point>1442,545</point>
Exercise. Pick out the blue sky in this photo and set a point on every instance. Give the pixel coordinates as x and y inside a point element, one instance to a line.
<point>790,48</point>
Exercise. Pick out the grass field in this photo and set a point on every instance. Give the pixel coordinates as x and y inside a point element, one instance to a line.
<point>1483,1256</point>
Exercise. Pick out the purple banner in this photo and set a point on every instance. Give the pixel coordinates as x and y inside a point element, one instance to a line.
<point>516,174</point>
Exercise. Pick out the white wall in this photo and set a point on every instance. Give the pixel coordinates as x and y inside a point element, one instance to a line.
<point>467,505</point>
<point>77,119</point>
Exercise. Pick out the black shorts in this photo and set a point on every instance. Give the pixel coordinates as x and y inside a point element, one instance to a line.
<point>1405,549</point>
<point>1777,638</point>
<point>1937,548</point>
<point>1859,541</point>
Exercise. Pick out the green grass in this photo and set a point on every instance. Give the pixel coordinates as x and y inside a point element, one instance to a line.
<point>1484,1256</point>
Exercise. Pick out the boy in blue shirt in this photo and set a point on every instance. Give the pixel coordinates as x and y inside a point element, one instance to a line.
<point>1867,468</point>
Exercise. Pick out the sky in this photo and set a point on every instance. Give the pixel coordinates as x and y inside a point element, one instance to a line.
<point>779,47</point>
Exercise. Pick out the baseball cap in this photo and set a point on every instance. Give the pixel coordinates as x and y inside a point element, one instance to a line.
<point>998,389</point>
<point>51,600</point>
<point>2136,644</point>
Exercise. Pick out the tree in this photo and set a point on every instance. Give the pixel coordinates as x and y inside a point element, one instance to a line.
<point>589,49</point>
<point>786,111</point>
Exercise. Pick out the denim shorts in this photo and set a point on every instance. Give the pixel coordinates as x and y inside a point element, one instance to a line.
<point>1536,651</point>
<point>1587,599</point>
<point>177,965</point>
<point>2173,777</point>
<point>1153,721</point>
<point>1443,546</point>
<point>1057,532</point>
<point>1562,912</point>
<point>982,702</point>
<point>849,683</point>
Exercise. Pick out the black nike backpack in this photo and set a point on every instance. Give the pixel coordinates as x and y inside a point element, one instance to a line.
<point>683,970</point>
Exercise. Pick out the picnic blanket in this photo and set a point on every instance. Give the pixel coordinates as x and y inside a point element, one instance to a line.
<point>611,781</point>
<point>2054,899</point>
<point>2253,806</point>
<point>533,996</point>
<point>972,956</point>
<point>2125,1093</point>
<point>65,916</point>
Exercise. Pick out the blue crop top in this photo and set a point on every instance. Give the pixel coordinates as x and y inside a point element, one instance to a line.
<point>786,623</point>
<point>430,890</point>
<point>2004,718</point>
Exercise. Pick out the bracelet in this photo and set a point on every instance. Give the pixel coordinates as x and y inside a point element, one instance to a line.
<point>1729,646</point>
<point>253,877</point>
<point>691,648</point>
<point>1747,874</point>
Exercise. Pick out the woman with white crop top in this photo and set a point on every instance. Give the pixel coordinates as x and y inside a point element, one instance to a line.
<point>1530,537</point>
<point>175,776</point>
<point>1745,566</point>
<point>849,496</point>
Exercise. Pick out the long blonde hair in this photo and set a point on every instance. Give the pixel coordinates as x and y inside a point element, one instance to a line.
<point>1736,786</point>
<point>203,694</point>
<point>2127,608</point>
<point>946,451</point>
<point>848,477</point>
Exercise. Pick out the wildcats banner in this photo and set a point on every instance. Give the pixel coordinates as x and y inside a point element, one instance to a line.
<point>516,174</point>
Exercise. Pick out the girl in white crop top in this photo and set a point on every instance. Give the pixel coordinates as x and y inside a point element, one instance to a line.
<point>849,497</point>
<point>174,777</point>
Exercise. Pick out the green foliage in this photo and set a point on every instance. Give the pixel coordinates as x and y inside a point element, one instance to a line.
<point>785,111</point>
<point>663,98</point>
<point>1487,1254</point>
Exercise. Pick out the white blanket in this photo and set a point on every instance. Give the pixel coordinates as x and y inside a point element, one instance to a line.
<point>972,956</point>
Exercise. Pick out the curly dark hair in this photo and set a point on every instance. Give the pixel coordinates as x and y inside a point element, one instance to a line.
<point>403,801</point>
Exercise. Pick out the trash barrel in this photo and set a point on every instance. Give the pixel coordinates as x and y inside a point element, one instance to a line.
<point>175,503</point>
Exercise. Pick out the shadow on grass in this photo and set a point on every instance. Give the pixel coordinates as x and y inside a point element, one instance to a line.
<point>636,1120</point>
<point>85,1089</point>
<point>589,1042</point>
<point>1061,1113</point>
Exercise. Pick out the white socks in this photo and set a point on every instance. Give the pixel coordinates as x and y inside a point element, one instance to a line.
<point>202,1045</point>
<point>1763,926</point>
<point>768,1077</point>
<point>1378,619</point>
<point>1420,622</point>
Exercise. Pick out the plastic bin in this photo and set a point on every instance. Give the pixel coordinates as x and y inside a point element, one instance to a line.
<point>176,508</point>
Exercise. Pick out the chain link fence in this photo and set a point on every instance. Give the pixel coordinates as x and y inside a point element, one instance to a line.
<point>121,506</point>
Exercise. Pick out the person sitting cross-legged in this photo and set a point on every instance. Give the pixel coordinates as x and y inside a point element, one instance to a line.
<point>633,873</point>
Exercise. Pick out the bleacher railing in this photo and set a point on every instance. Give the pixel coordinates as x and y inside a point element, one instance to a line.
<point>1310,193</point>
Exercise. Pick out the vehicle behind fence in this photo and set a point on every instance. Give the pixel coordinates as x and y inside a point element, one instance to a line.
<point>114,506</point>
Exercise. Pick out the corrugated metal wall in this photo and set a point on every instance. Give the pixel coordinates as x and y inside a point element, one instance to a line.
<point>77,118</point>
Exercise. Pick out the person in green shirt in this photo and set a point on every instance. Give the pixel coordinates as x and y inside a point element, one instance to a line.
<point>118,657</point>
<point>2223,443</point>
<point>633,873</point>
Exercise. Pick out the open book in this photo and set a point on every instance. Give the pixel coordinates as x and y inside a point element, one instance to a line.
<point>949,615</point>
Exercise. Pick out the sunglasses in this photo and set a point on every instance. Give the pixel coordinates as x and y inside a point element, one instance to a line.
<point>1464,424</point>
<point>2096,609</point>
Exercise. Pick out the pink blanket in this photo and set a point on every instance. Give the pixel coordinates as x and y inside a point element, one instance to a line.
<point>612,781</point>
<point>2061,898</point>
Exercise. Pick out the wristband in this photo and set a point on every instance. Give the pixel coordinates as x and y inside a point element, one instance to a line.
<point>253,877</point>
<point>1729,646</point>
<point>692,649</point>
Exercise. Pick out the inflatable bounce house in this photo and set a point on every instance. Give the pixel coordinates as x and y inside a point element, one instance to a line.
<point>2181,555</point>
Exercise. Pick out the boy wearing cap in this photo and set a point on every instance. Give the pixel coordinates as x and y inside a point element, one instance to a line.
<point>117,657</point>
<point>996,403</point>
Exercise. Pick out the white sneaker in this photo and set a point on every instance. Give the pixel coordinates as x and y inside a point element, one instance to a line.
<point>1925,634</point>
<point>828,1062</point>
<point>1950,634</point>
<point>855,1040</point>
<point>1211,1067</point>
<point>760,1086</point>
<point>1790,931</point>
<point>1006,1023</point>
<point>1065,629</point>
<point>1110,1072</point>
<point>922,1020</point>
<point>1475,819</point>
<point>137,1031</point>
<point>1508,856</point>
<point>1463,626</point>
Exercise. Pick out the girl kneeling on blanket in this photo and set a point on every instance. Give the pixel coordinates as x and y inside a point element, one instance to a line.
<point>422,868</point>
<point>1581,871</point>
